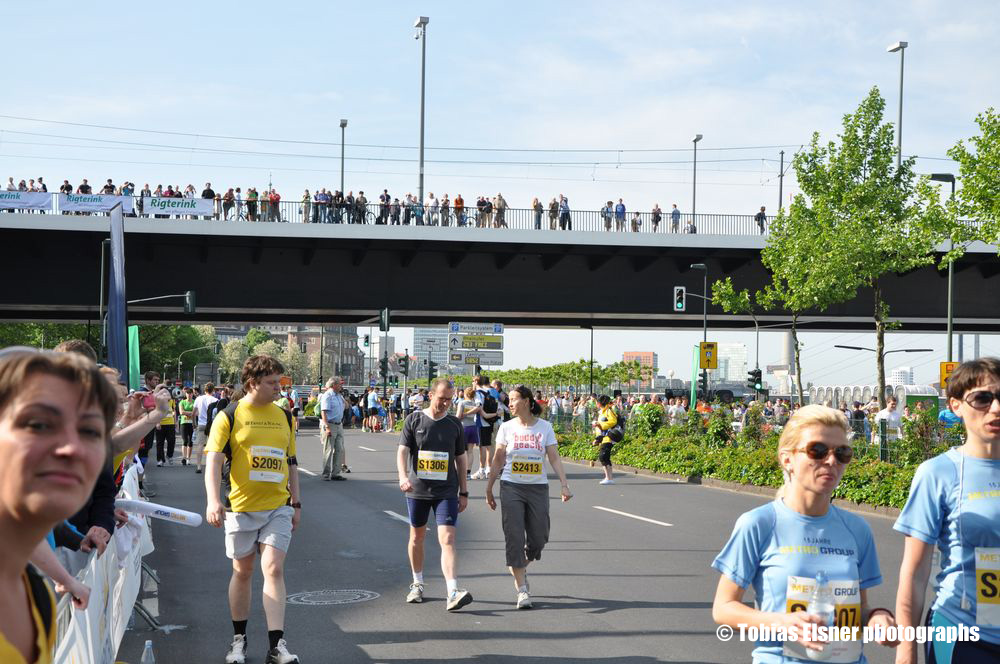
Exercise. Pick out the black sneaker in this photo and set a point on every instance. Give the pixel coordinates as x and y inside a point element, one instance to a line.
<point>280,655</point>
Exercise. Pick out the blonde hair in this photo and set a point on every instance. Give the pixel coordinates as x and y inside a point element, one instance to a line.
<point>469,392</point>
<point>807,416</point>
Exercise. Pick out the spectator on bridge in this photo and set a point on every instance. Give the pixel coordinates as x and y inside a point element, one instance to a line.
<point>228,201</point>
<point>109,188</point>
<point>607,214</point>
<point>395,212</point>
<point>445,211</point>
<point>657,215</point>
<point>84,188</point>
<point>252,198</point>
<point>690,227</point>
<point>636,222</point>
<point>459,206</point>
<point>65,188</point>
<point>620,216</point>
<point>761,219</point>
<point>10,184</point>
<point>500,206</point>
<point>813,452</point>
<point>306,206</point>
<point>536,207</point>
<point>273,210</point>
<point>675,220</point>
<point>360,208</point>
<point>384,201</point>
<point>208,193</point>
<point>553,213</point>
<point>565,221</point>
<point>431,206</point>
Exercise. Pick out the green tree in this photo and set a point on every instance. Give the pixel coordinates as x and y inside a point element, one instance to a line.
<point>858,219</point>
<point>296,363</point>
<point>979,164</point>
<point>270,348</point>
<point>46,335</point>
<point>234,354</point>
<point>160,347</point>
<point>256,336</point>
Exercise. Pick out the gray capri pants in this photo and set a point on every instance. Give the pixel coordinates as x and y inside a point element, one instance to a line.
<point>524,513</point>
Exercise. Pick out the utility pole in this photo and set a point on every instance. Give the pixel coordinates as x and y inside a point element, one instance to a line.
<point>781,180</point>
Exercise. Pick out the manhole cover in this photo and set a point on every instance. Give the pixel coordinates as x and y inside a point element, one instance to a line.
<point>327,597</point>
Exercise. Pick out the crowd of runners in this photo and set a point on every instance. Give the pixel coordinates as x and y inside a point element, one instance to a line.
<point>62,417</point>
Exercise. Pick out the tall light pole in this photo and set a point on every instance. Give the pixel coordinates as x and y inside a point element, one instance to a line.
<point>901,47</point>
<point>421,25</point>
<point>948,177</point>
<point>704,312</point>
<point>343,127</point>
<point>694,180</point>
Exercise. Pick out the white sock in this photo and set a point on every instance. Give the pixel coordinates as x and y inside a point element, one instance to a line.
<point>452,585</point>
<point>522,589</point>
<point>418,577</point>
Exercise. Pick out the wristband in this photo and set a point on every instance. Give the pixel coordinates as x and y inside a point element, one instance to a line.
<point>463,494</point>
<point>297,506</point>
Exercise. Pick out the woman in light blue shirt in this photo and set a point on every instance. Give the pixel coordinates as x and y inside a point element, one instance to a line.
<point>779,548</point>
<point>954,505</point>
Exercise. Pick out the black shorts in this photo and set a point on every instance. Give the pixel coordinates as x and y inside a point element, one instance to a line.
<point>604,454</point>
<point>485,436</point>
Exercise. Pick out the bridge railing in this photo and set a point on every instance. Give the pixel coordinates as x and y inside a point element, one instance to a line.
<point>261,211</point>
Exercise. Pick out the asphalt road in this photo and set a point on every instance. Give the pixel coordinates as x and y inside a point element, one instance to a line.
<point>609,587</point>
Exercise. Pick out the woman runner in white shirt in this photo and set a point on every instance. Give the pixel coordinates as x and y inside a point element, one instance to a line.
<point>522,445</point>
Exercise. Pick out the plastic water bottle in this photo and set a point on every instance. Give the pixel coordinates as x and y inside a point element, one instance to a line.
<point>147,654</point>
<point>821,604</point>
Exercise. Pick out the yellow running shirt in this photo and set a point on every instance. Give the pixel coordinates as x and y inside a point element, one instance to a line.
<point>258,452</point>
<point>44,641</point>
<point>169,419</point>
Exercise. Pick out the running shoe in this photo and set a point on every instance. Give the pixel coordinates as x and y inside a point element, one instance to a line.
<point>478,475</point>
<point>238,650</point>
<point>345,468</point>
<point>607,481</point>
<point>280,655</point>
<point>458,598</point>
<point>416,594</point>
<point>159,464</point>
<point>197,471</point>
<point>184,462</point>
<point>523,601</point>
<point>170,461</point>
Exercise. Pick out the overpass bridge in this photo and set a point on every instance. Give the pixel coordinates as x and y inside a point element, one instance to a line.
<point>334,273</point>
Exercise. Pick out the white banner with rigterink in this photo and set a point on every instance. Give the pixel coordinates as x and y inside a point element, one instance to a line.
<point>93,203</point>
<point>195,206</point>
<point>25,200</point>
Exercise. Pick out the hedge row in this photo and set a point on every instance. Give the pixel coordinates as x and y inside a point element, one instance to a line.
<point>865,481</point>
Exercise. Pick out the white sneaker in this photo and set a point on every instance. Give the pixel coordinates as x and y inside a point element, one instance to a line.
<point>478,475</point>
<point>416,594</point>
<point>238,650</point>
<point>280,655</point>
<point>159,464</point>
<point>606,481</point>
<point>458,598</point>
<point>170,461</point>
<point>523,601</point>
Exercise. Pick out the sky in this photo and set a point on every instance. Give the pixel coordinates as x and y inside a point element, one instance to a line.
<point>596,100</point>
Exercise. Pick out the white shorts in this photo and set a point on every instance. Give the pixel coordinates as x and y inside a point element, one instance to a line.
<point>244,530</point>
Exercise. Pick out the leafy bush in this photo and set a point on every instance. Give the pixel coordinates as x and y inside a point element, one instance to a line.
<point>310,409</point>
<point>675,449</point>
<point>646,420</point>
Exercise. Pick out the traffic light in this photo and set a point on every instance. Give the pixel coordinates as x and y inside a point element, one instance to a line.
<point>432,370</point>
<point>368,340</point>
<point>680,298</point>
<point>404,366</point>
<point>189,302</point>
<point>754,381</point>
<point>383,367</point>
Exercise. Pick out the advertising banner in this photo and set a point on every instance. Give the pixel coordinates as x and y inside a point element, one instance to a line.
<point>93,203</point>
<point>177,206</point>
<point>25,200</point>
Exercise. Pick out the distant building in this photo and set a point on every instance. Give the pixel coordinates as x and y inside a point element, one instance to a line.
<point>645,358</point>
<point>732,363</point>
<point>901,376</point>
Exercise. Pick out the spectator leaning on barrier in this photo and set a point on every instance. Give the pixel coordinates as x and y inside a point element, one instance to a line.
<point>207,193</point>
<point>565,221</point>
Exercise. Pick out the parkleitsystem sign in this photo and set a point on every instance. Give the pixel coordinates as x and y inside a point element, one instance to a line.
<point>478,344</point>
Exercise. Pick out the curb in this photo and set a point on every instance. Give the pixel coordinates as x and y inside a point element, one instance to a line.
<point>850,506</point>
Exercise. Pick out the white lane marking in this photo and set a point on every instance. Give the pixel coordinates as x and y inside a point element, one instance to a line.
<point>366,449</point>
<point>397,517</point>
<point>632,516</point>
<point>307,472</point>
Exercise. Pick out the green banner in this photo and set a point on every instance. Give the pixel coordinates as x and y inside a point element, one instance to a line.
<point>134,376</point>
<point>696,357</point>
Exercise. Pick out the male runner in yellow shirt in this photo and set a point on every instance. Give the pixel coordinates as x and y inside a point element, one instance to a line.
<point>251,449</point>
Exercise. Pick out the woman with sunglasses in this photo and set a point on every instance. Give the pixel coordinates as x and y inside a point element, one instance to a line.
<point>781,547</point>
<point>56,414</point>
<point>954,504</point>
<point>522,445</point>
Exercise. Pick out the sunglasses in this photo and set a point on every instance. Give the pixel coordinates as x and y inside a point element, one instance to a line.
<point>819,452</point>
<point>981,399</point>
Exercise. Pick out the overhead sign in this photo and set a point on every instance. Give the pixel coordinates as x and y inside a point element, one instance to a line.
<point>475,341</point>
<point>771,368</point>
<point>487,358</point>
<point>947,368</point>
<point>709,355</point>
<point>475,328</point>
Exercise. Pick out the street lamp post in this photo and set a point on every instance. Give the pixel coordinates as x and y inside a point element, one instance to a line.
<point>948,177</point>
<point>901,47</point>
<point>881,397</point>
<point>704,311</point>
<point>343,127</point>
<point>421,25</point>
<point>694,181</point>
